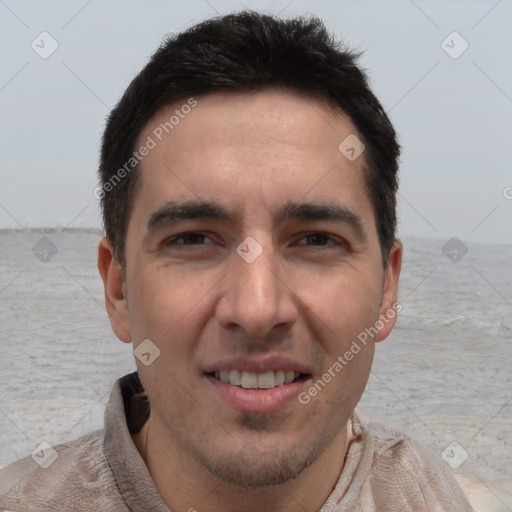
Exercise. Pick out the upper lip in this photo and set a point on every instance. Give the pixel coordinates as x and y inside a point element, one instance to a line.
<point>259,364</point>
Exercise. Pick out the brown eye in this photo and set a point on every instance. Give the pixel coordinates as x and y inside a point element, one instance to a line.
<point>317,239</point>
<point>190,238</point>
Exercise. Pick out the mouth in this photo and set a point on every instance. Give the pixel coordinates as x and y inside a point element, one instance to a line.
<point>263,392</point>
<point>258,381</point>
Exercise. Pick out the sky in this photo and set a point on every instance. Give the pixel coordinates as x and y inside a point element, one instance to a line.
<point>442,70</point>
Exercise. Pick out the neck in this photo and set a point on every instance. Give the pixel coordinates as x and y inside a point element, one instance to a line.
<point>185,485</point>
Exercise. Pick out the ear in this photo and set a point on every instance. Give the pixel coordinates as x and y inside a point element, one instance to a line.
<point>115,299</point>
<point>389,306</point>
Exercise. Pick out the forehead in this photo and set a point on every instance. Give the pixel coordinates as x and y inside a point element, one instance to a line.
<point>269,117</point>
<point>259,148</point>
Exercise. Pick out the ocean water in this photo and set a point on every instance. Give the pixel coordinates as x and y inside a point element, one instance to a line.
<point>444,375</point>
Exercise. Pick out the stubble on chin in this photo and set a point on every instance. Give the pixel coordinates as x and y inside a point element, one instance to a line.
<point>251,467</point>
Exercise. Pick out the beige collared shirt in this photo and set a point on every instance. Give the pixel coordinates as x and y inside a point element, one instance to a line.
<point>384,471</point>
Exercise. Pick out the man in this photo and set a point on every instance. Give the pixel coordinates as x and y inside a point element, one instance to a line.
<point>248,183</point>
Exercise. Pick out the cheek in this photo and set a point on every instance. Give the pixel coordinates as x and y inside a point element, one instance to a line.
<point>337,391</point>
<point>165,302</point>
<point>153,305</point>
<point>345,304</point>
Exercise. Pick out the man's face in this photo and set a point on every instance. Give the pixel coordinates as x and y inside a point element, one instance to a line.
<point>264,165</point>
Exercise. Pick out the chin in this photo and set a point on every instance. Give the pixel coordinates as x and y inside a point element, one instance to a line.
<point>250,467</point>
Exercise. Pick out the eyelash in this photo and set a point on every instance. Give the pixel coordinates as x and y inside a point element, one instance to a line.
<point>172,240</point>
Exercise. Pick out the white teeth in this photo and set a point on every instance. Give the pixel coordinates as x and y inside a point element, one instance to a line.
<point>279,378</point>
<point>234,377</point>
<point>289,376</point>
<point>251,380</point>
<point>266,380</point>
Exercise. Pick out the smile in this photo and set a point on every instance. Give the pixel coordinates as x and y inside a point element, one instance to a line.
<point>252,380</point>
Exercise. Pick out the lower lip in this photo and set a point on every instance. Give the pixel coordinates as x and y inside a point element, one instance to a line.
<point>256,400</point>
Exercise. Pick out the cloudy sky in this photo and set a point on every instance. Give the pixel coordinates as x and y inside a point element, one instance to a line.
<point>441,69</point>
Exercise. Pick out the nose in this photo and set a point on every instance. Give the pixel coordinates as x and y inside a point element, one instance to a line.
<point>256,298</point>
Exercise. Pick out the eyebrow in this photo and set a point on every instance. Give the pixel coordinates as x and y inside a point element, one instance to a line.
<point>174,211</point>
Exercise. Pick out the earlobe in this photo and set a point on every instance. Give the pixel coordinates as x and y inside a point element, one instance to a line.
<point>389,304</point>
<point>115,291</point>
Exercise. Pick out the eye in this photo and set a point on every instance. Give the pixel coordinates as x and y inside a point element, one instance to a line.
<point>316,239</point>
<point>191,238</point>
<point>320,240</point>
